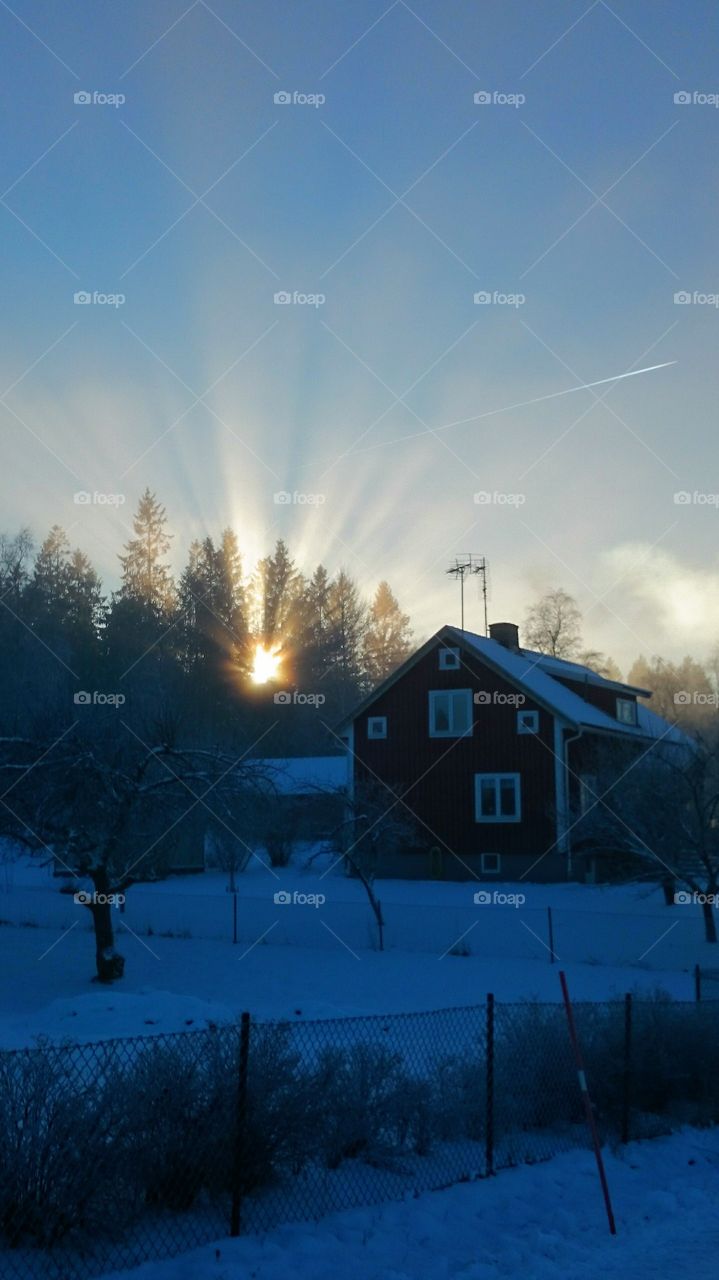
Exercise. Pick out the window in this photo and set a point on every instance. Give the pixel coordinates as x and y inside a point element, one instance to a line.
<point>497,797</point>
<point>450,713</point>
<point>626,710</point>
<point>449,659</point>
<point>376,726</point>
<point>491,863</point>
<point>527,722</point>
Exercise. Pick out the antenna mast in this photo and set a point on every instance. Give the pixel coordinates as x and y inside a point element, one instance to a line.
<point>470,564</point>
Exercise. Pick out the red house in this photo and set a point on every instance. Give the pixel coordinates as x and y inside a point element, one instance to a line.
<point>491,748</point>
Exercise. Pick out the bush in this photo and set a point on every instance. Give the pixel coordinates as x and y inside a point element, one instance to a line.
<point>63,1172</point>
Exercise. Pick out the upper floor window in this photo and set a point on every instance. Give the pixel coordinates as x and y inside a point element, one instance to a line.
<point>626,710</point>
<point>449,659</point>
<point>376,726</point>
<point>450,713</point>
<point>527,722</point>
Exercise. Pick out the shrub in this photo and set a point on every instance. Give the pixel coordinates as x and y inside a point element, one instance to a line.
<point>63,1176</point>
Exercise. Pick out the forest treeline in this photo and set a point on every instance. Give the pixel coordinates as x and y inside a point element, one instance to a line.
<point>179,652</point>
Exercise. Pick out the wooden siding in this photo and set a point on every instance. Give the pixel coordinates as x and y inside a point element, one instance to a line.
<point>436,775</point>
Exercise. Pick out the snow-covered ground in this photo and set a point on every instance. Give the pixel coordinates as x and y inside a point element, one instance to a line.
<point>299,961</point>
<point>544,1222</point>
<point>173,984</point>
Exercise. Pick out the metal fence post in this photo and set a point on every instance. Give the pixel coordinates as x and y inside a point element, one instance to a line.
<point>234,915</point>
<point>552,956</point>
<point>697,983</point>
<point>626,1074</point>
<point>489,1095</point>
<point>240,1124</point>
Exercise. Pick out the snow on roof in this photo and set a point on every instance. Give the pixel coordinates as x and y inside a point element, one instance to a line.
<point>563,667</point>
<point>531,671</point>
<point>528,669</point>
<point>302,775</point>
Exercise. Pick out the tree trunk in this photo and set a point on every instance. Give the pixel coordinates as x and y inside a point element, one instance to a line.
<point>708,910</point>
<point>109,963</point>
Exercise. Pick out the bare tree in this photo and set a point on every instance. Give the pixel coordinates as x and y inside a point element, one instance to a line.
<point>554,625</point>
<point>106,809</point>
<point>377,826</point>
<point>663,811</point>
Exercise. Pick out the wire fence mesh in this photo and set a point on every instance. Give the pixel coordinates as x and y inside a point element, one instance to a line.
<point>122,1151</point>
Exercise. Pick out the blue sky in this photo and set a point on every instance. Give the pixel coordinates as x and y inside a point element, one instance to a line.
<point>397,199</point>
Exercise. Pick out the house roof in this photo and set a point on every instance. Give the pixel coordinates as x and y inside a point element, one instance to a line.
<point>305,775</point>
<point>535,673</point>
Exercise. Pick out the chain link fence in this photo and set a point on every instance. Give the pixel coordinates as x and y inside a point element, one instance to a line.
<point>115,1153</point>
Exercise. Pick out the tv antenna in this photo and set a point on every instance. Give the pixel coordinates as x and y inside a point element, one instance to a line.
<point>469,565</point>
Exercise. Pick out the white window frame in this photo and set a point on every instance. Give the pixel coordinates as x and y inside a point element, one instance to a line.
<point>497,778</point>
<point>521,724</point>
<point>491,871</point>
<point>449,659</point>
<point>627,702</point>
<point>451,732</point>
<point>372,721</point>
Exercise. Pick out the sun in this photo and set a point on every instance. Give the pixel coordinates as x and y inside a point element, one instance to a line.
<point>266,665</point>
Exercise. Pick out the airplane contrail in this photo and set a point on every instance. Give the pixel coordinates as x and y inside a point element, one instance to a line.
<point>520,404</point>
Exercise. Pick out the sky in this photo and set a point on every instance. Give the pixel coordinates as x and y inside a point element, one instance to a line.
<point>182,164</point>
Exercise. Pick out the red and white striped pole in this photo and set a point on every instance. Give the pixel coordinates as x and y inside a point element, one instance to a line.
<point>589,1110</point>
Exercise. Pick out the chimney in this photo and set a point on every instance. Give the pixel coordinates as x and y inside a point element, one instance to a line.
<point>505,633</point>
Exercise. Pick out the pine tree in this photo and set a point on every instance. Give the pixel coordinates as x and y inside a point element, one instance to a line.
<point>347,618</point>
<point>388,638</point>
<point>211,598</point>
<point>146,578</point>
<point>63,599</point>
<point>140,620</point>
<point>279,587</point>
<point>85,607</point>
<point>47,592</point>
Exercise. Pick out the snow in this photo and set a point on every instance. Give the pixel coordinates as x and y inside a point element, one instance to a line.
<point>531,672</point>
<point>172,984</point>
<point>304,775</point>
<point>544,1221</point>
<point>300,961</point>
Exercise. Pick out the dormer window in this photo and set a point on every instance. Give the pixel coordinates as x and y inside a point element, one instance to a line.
<point>449,659</point>
<point>626,711</point>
